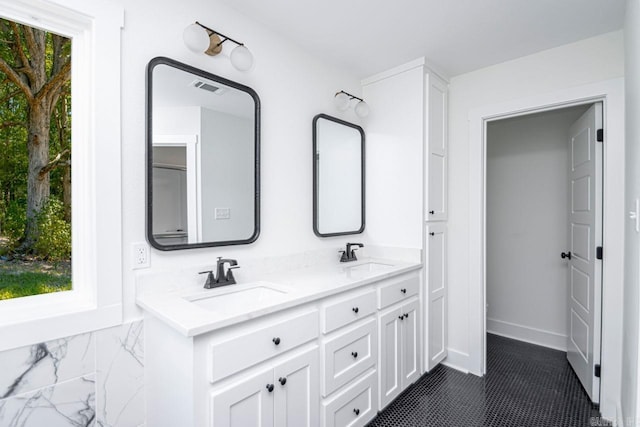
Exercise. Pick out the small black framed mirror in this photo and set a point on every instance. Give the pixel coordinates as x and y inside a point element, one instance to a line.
<point>338,177</point>
<point>203,158</point>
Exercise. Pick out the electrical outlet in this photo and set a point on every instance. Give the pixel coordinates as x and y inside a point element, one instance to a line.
<point>140,255</point>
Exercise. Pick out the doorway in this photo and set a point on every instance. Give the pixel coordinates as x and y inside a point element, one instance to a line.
<point>543,224</point>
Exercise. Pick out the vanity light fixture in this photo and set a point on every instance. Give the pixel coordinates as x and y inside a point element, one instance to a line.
<point>343,99</point>
<point>200,38</point>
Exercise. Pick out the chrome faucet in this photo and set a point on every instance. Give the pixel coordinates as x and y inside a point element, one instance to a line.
<point>349,254</point>
<point>221,279</point>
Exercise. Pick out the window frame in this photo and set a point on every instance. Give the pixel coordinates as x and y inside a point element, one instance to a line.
<point>95,301</point>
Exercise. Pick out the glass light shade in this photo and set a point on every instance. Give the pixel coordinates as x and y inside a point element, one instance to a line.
<point>342,101</point>
<point>196,38</point>
<point>241,58</point>
<point>362,109</point>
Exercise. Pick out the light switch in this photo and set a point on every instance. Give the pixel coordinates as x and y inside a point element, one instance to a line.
<point>223,213</point>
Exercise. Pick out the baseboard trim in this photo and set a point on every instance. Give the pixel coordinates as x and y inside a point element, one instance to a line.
<point>527,334</point>
<point>457,360</point>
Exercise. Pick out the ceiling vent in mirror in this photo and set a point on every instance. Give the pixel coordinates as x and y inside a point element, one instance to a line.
<point>208,87</point>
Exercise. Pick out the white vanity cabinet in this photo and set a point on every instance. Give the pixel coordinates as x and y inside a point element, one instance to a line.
<point>255,373</point>
<point>285,395</point>
<point>349,355</point>
<point>399,332</point>
<point>330,361</point>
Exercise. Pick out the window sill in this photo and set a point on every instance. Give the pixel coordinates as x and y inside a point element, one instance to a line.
<point>41,318</point>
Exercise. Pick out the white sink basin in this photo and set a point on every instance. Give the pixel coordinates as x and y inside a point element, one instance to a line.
<point>367,267</point>
<point>240,298</point>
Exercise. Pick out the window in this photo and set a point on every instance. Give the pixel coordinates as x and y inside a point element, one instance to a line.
<point>35,169</point>
<point>91,33</point>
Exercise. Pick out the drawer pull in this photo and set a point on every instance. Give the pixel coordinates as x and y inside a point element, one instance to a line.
<point>270,387</point>
<point>356,411</point>
<point>276,340</point>
<point>354,354</point>
<point>282,380</point>
<point>403,290</point>
<point>355,310</point>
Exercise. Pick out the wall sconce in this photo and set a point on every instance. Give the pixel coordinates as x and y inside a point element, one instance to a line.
<point>199,38</point>
<point>342,100</point>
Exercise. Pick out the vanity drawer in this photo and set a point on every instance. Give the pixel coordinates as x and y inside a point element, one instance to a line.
<point>353,407</point>
<point>348,355</point>
<point>250,348</point>
<point>398,290</point>
<point>347,310</point>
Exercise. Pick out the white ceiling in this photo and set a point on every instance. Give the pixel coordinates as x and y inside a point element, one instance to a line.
<point>370,36</point>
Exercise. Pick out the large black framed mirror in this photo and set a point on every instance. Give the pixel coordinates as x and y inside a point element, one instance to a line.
<point>338,177</point>
<point>203,158</point>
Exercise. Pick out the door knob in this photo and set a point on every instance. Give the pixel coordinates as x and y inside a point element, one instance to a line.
<point>564,255</point>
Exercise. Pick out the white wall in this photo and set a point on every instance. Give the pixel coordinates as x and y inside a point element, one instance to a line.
<point>394,145</point>
<point>539,77</point>
<point>527,212</point>
<point>293,88</point>
<point>630,383</point>
<point>227,175</point>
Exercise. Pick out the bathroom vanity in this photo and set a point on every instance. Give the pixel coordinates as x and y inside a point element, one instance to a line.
<point>328,345</point>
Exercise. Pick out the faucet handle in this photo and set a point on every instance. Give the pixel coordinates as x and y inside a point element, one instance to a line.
<point>210,279</point>
<point>230,279</point>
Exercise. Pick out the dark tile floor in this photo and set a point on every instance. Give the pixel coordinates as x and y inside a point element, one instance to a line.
<point>525,386</point>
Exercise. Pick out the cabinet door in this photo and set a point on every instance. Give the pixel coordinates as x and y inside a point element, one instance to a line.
<point>247,403</point>
<point>296,396</point>
<point>436,151</point>
<point>390,362</point>
<point>410,342</point>
<point>436,297</point>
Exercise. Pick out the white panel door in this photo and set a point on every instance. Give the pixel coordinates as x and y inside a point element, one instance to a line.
<point>585,231</point>
<point>247,403</point>
<point>436,197</point>
<point>436,344</point>
<point>390,353</point>
<point>296,395</point>
<point>410,343</point>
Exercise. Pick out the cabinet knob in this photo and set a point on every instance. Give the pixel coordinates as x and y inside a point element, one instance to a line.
<point>270,387</point>
<point>432,212</point>
<point>432,233</point>
<point>356,411</point>
<point>401,317</point>
<point>355,310</point>
<point>403,290</point>
<point>282,380</point>
<point>406,315</point>
<point>354,354</point>
<point>276,340</point>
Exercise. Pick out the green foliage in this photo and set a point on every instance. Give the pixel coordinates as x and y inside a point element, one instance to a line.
<point>26,283</point>
<point>13,219</point>
<point>54,233</point>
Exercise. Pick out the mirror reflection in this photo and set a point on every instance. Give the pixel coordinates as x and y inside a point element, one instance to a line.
<point>203,150</point>
<point>338,177</point>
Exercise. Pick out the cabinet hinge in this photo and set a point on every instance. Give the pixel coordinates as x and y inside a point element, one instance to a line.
<point>596,371</point>
<point>600,135</point>
<point>599,252</point>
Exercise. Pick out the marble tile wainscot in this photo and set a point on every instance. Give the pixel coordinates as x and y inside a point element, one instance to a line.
<point>92,379</point>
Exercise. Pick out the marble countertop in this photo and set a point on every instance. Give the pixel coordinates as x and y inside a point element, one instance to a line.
<point>181,310</point>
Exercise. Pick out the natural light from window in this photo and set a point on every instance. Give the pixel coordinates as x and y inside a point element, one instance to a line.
<point>35,165</point>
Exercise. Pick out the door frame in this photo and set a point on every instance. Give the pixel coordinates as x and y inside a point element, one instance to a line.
<point>611,94</point>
